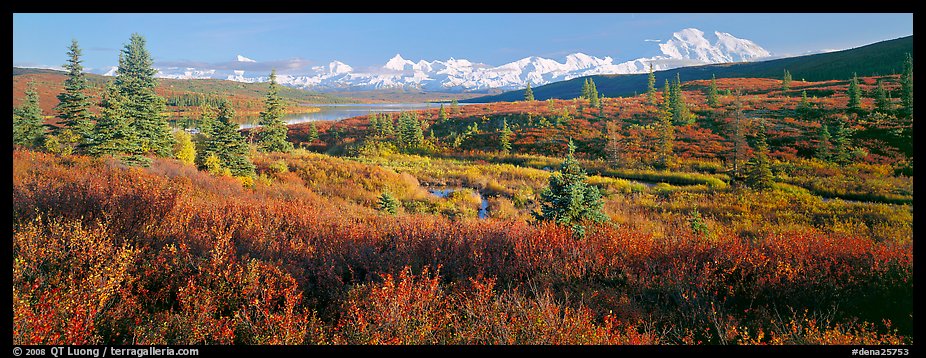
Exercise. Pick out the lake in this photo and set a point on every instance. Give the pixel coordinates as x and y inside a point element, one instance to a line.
<point>334,112</point>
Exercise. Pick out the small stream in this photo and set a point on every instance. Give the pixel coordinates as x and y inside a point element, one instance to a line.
<point>445,192</point>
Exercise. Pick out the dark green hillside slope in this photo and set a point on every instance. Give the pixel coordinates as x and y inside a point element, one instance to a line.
<point>880,58</point>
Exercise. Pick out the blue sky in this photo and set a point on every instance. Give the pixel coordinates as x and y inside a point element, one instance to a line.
<point>363,40</point>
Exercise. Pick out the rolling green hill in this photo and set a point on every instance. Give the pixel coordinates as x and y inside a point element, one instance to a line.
<point>880,58</point>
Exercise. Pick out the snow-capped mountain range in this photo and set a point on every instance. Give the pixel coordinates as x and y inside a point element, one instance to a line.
<point>687,47</point>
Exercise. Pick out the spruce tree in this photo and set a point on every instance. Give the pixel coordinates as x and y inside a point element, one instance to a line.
<point>786,81</point>
<point>738,136</point>
<point>271,137</point>
<point>442,113</point>
<point>804,105</point>
<point>651,86</point>
<point>592,93</point>
<point>313,133</point>
<point>227,145</point>
<point>569,199</point>
<point>113,133</point>
<point>585,88</point>
<point>386,127</point>
<point>529,93</point>
<point>27,120</point>
<point>759,176</point>
<point>373,122</point>
<point>73,104</point>
<point>143,107</point>
<point>855,95</point>
<point>681,115</point>
<point>206,118</point>
<point>667,95</point>
<point>665,132</point>
<point>712,97</point>
<point>841,142</point>
<point>823,151</point>
<point>410,134</point>
<point>906,87</point>
<point>387,203</point>
<point>882,103</point>
<point>613,147</point>
<point>504,137</point>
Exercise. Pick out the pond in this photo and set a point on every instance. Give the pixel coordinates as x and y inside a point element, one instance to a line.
<point>445,192</point>
<point>334,112</point>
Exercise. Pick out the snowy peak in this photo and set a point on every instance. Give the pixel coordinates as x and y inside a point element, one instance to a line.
<point>739,49</point>
<point>244,59</point>
<point>690,44</point>
<point>112,71</point>
<point>686,47</point>
<point>397,63</point>
<point>338,67</point>
<point>582,61</point>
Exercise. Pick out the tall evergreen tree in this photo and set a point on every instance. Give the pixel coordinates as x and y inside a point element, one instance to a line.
<point>569,199</point>
<point>592,93</point>
<point>27,120</point>
<point>712,97</point>
<point>442,114</point>
<point>313,133</point>
<point>855,94</point>
<point>585,89</point>
<point>882,103</point>
<point>906,87</point>
<point>738,136</point>
<point>227,145</point>
<point>681,115</point>
<point>786,81</point>
<point>651,86</point>
<point>206,118</point>
<point>805,103</point>
<point>759,176</point>
<point>504,137</point>
<point>143,107</point>
<point>272,135</point>
<point>385,127</point>
<point>667,95</point>
<point>803,107</point>
<point>74,104</point>
<point>841,142</point>
<point>410,134</point>
<point>373,123</point>
<point>613,148</point>
<point>823,151</point>
<point>665,132</point>
<point>113,133</point>
<point>529,93</point>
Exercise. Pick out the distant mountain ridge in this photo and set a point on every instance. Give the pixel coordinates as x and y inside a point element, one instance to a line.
<point>881,58</point>
<point>686,47</point>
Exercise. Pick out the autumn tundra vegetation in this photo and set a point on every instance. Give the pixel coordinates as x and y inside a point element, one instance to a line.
<point>723,211</point>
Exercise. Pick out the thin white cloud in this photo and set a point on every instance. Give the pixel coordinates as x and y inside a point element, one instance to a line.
<point>38,66</point>
<point>651,40</point>
<point>290,66</point>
